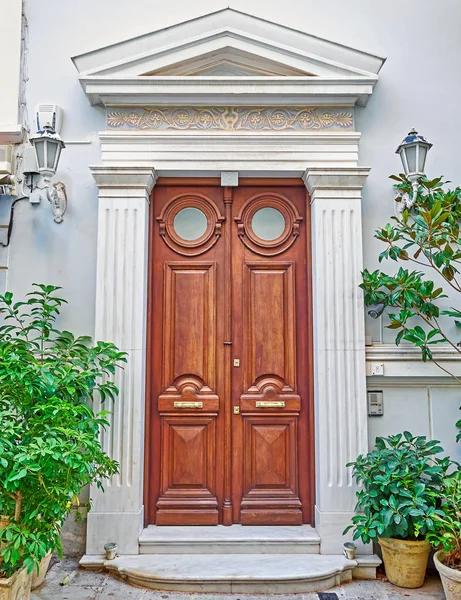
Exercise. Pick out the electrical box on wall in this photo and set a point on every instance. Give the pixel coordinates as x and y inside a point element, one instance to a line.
<point>48,115</point>
<point>375,403</point>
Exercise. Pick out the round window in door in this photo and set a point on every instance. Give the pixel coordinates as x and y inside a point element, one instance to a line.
<point>268,224</point>
<point>190,224</point>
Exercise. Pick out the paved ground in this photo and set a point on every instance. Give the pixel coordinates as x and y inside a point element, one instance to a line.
<point>87,585</point>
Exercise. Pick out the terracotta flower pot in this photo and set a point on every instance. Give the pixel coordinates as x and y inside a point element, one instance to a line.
<point>451,578</point>
<point>405,561</point>
<point>16,587</point>
<point>39,578</point>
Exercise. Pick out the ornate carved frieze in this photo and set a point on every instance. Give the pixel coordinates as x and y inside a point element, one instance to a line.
<point>227,118</point>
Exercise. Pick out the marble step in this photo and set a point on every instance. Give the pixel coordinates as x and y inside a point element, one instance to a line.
<point>234,573</point>
<point>236,539</point>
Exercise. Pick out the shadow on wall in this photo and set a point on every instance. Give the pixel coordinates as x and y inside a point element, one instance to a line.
<point>73,534</point>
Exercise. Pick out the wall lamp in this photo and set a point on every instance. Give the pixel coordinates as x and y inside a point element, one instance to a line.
<point>41,161</point>
<point>413,153</point>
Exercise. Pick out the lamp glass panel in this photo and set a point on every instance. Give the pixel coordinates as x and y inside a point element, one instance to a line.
<point>422,158</point>
<point>411,158</point>
<point>51,154</point>
<point>39,146</point>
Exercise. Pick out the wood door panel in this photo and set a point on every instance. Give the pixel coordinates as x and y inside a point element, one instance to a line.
<point>269,325</point>
<point>269,334</point>
<point>189,325</point>
<point>270,470</point>
<point>188,457</point>
<point>188,479</point>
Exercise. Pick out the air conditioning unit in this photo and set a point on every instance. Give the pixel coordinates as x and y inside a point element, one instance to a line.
<point>48,115</point>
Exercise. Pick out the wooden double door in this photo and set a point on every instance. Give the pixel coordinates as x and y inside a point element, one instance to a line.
<point>229,412</point>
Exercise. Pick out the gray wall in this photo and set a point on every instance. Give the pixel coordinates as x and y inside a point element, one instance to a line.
<point>419,86</point>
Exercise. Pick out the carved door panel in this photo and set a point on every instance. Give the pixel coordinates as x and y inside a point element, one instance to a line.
<point>186,356</point>
<point>270,387</point>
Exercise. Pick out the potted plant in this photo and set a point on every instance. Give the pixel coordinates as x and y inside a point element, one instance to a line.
<point>398,502</point>
<point>49,433</point>
<point>446,537</point>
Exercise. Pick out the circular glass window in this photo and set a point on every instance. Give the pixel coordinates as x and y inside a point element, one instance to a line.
<point>268,223</point>
<point>190,223</point>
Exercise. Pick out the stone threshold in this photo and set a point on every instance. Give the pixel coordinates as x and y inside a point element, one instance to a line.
<point>238,573</point>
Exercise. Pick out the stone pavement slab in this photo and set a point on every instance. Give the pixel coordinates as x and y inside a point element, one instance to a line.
<point>90,585</point>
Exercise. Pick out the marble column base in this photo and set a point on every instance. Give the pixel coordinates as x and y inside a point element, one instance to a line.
<point>330,527</point>
<point>123,528</point>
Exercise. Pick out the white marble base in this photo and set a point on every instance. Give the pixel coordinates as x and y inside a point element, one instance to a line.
<point>236,539</point>
<point>225,573</point>
<point>330,526</point>
<point>366,566</point>
<point>123,528</point>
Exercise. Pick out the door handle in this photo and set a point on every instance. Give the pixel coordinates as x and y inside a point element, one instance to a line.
<point>270,404</point>
<point>188,405</point>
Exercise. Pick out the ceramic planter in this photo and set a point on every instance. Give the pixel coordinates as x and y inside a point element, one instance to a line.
<point>16,587</point>
<point>405,561</point>
<point>451,578</point>
<point>39,578</point>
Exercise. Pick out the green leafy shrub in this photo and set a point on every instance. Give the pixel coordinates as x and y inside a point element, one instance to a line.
<point>49,433</point>
<point>401,480</point>
<point>447,530</point>
<point>426,233</point>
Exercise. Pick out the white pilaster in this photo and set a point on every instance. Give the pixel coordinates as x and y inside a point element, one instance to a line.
<point>339,345</point>
<point>121,294</point>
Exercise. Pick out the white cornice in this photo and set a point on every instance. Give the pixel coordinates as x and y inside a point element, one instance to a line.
<point>123,178</point>
<point>391,352</point>
<point>402,363</point>
<point>11,133</point>
<point>238,91</point>
<point>341,178</point>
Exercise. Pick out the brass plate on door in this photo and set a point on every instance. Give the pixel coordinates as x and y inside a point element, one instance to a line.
<point>269,404</point>
<point>188,405</point>
<point>236,410</point>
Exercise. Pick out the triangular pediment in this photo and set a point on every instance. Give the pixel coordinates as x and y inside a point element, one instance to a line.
<point>228,62</point>
<point>226,44</point>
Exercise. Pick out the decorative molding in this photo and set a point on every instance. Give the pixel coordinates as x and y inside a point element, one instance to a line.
<point>11,133</point>
<point>391,352</point>
<point>326,183</point>
<point>228,118</point>
<point>250,153</point>
<point>111,180</point>
<point>377,383</point>
<point>206,241</point>
<point>404,364</point>
<point>268,247</point>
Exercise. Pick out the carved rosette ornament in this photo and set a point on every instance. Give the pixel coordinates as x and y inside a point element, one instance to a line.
<point>265,247</point>
<point>203,243</point>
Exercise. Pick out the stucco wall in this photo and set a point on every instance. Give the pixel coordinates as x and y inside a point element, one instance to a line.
<point>419,86</point>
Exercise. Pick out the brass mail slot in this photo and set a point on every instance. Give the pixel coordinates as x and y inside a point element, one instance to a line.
<point>188,404</point>
<point>276,404</point>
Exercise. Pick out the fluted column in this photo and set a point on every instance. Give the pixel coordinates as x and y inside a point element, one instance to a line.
<point>339,345</point>
<point>121,296</point>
